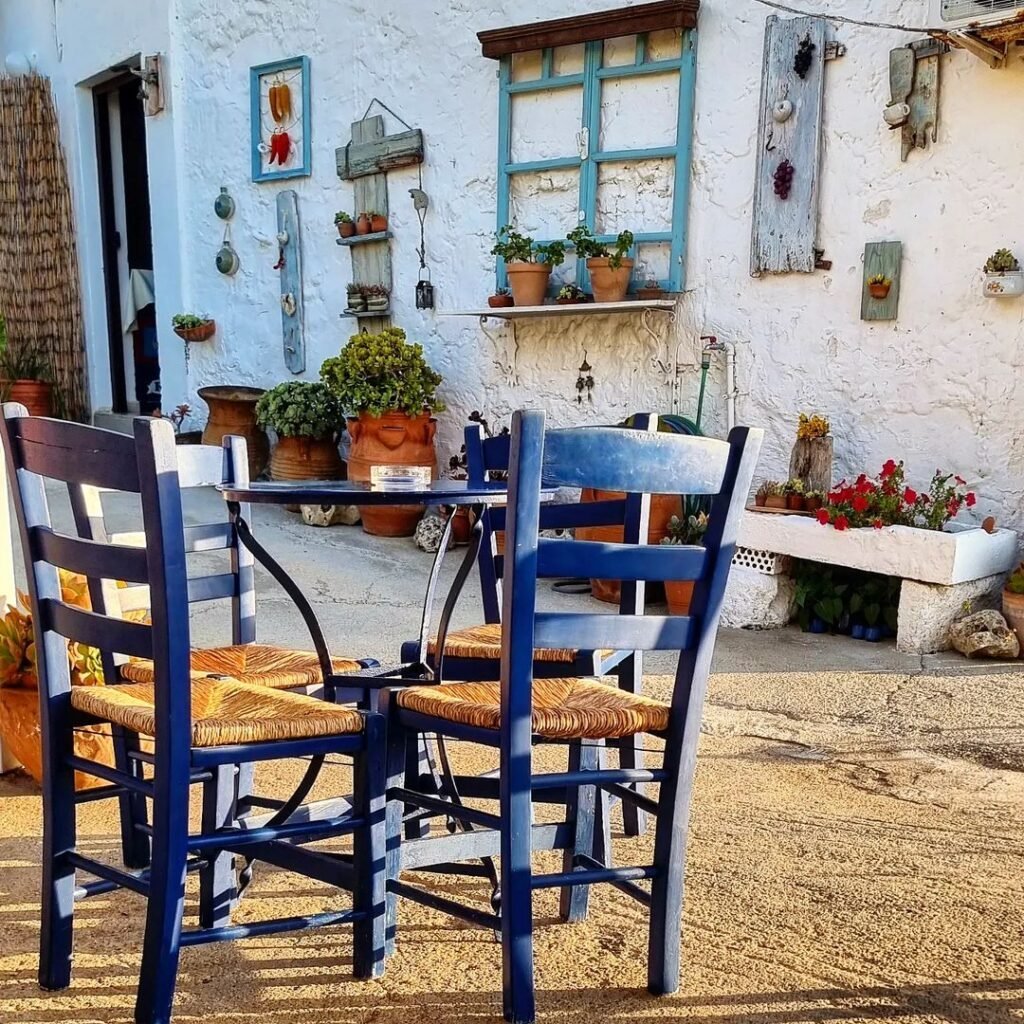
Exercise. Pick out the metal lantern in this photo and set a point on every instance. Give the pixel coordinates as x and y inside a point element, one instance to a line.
<point>424,291</point>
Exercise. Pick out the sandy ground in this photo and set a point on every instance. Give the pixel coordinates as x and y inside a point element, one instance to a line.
<point>856,854</point>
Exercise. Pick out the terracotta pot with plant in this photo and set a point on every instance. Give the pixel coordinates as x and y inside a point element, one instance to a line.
<point>527,264</point>
<point>683,530</point>
<point>378,298</point>
<point>570,295</point>
<point>190,327</point>
<point>233,411</point>
<point>1013,602</point>
<point>386,381</point>
<point>378,222</point>
<point>609,268</point>
<point>1003,277</point>
<point>308,420</point>
<point>795,500</point>
<point>813,500</point>
<point>501,299</point>
<point>26,376</point>
<point>363,225</point>
<point>346,226</point>
<point>879,286</point>
<point>771,494</point>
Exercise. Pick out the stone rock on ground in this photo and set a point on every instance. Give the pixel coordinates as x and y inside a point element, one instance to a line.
<point>754,600</point>
<point>330,515</point>
<point>984,633</point>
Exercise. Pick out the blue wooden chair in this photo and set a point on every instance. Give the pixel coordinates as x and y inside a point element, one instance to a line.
<point>474,653</point>
<point>522,710</point>
<point>196,729</point>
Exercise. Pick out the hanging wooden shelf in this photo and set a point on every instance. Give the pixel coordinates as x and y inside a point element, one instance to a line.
<point>358,314</point>
<point>376,236</point>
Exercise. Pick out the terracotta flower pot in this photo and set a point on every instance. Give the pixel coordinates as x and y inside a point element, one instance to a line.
<point>500,301</point>
<point>775,501</point>
<point>35,395</point>
<point>346,228</point>
<point>1013,612</point>
<point>663,508</point>
<point>610,284</point>
<point>529,282</point>
<point>203,332</point>
<point>879,291</point>
<point>394,439</point>
<point>363,225</point>
<point>678,595</point>
<point>378,223</point>
<point>306,458</point>
<point>233,411</point>
<point>462,526</point>
<point>813,504</point>
<point>796,502</point>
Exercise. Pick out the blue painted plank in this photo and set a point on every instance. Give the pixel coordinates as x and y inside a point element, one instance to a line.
<point>292,309</point>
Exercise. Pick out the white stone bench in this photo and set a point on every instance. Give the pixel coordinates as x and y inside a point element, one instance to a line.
<point>940,571</point>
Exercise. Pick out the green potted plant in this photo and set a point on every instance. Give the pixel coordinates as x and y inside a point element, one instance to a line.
<point>389,391</point>
<point>771,494</point>
<point>879,285</point>
<point>528,265</point>
<point>378,221</point>
<point>26,376</point>
<point>308,420</point>
<point>813,500</point>
<point>609,268</point>
<point>686,529</point>
<point>795,500</point>
<point>377,298</point>
<point>177,420</point>
<point>356,298</point>
<point>570,295</point>
<point>1003,276</point>
<point>1013,602</point>
<point>191,327</point>
<point>501,299</point>
<point>346,226</point>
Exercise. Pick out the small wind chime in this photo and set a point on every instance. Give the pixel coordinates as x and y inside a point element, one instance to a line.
<point>279,103</point>
<point>585,382</point>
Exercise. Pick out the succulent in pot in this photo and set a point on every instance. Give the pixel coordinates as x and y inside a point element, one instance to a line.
<point>771,494</point>
<point>687,529</point>
<point>377,298</point>
<point>192,327</point>
<point>26,376</point>
<point>813,500</point>
<point>879,286</point>
<point>345,224</point>
<point>795,500</point>
<point>607,263</point>
<point>308,420</point>
<point>501,299</point>
<point>1003,276</point>
<point>528,264</point>
<point>386,385</point>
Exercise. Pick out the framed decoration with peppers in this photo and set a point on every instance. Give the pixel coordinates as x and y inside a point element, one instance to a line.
<point>279,95</point>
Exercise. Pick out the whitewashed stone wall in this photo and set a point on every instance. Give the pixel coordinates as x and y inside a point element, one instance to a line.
<point>940,386</point>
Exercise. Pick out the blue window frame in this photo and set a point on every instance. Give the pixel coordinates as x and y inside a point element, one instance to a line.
<point>591,81</point>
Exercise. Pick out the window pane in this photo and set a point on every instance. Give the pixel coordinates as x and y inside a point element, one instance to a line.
<point>619,51</point>
<point>568,60</point>
<point>640,112</point>
<point>665,44</point>
<point>652,261</point>
<point>526,67</point>
<point>635,196</point>
<point>544,124</point>
<point>543,204</point>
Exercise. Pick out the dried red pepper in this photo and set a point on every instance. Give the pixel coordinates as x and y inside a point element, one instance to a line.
<point>280,147</point>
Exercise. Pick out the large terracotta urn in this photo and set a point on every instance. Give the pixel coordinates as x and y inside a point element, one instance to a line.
<point>306,458</point>
<point>663,508</point>
<point>394,439</point>
<point>233,411</point>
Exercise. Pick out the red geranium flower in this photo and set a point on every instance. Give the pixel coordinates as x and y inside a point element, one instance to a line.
<point>889,468</point>
<point>970,499</point>
<point>841,522</point>
<point>910,495</point>
<point>823,516</point>
<point>860,503</point>
<point>877,524</point>
<point>953,507</point>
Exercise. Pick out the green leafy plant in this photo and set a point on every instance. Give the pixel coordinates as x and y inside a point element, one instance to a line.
<point>588,247</point>
<point>840,596</point>
<point>514,247</point>
<point>341,217</point>
<point>688,529</point>
<point>22,363</point>
<point>1002,261</point>
<point>379,373</point>
<point>1015,584</point>
<point>187,320</point>
<point>771,489</point>
<point>794,486</point>
<point>301,408</point>
<point>571,292</point>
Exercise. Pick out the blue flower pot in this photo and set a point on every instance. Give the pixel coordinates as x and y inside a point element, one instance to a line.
<point>819,625</point>
<point>857,630</point>
<point>873,634</point>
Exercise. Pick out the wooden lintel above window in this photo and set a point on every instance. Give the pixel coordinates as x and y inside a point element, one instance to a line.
<point>584,28</point>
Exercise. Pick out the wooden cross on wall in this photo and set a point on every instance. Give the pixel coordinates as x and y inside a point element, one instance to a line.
<point>365,161</point>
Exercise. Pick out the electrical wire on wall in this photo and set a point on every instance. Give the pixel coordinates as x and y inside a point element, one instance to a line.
<point>829,16</point>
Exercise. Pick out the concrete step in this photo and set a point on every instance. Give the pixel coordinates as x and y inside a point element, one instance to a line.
<point>119,421</point>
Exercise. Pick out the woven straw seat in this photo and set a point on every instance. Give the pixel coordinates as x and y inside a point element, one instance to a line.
<point>223,712</point>
<point>563,709</point>
<point>260,664</point>
<point>485,642</point>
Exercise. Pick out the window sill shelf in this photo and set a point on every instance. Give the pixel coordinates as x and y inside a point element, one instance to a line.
<point>569,309</point>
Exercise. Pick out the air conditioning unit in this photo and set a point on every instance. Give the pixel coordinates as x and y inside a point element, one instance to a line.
<point>961,15</point>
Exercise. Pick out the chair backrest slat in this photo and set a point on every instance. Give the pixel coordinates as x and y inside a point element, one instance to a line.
<point>570,515</point>
<point>615,632</point>
<point>134,639</point>
<point>556,558</point>
<point>212,588</point>
<point>91,558</point>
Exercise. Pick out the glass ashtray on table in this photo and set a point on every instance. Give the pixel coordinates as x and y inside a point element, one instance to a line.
<point>399,478</point>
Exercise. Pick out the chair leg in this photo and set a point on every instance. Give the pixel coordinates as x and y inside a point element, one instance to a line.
<point>397,760</point>
<point>516,892</point>
<point>161,944</point>
<point>580,813</point>
<point>58,891</point>
<point>217,887</point>
<point>417,764</point>
<point>132,806</point>
<point>368,896</point>
<point>630,676</point>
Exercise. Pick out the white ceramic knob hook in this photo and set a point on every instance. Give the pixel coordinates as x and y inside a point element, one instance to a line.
<point>782,110</point>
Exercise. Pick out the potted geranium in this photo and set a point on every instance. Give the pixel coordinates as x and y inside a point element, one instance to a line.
<point>308,420</point>
<point>346,226</point>
<point>387,384</point>
<point>527,264</point>
<point>683,530</point>
<point>191,327</point>
<point>1003,276</point>
<point>26,376</point>
<point>609,268</point>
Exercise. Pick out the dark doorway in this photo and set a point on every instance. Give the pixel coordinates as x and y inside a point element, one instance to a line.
<point>127,244</point>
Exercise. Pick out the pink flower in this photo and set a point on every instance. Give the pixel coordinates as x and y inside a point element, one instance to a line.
<point>970,499</point>
<point>823,516</point>
<point>841,522</point>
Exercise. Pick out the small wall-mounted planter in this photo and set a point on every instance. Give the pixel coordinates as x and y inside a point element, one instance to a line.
<point>203,332</point>
<point>879,289</point>
<point>1007,285</point>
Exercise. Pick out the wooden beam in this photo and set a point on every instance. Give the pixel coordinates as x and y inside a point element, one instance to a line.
<point>359,159</point>
<point>584,28</point>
